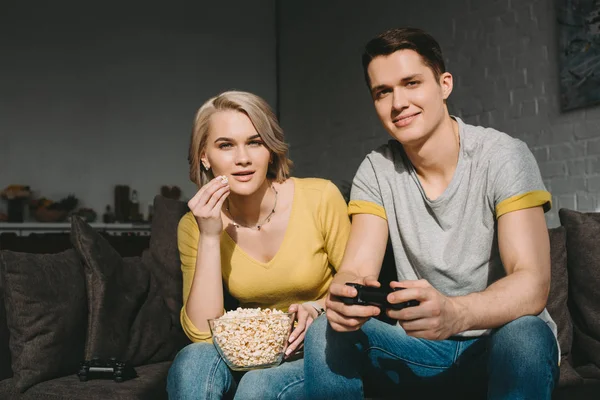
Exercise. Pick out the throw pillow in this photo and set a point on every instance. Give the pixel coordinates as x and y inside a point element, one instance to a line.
<point>5,370</point>
<point>583,254</point>
<point>128,319</point>
<point>46,313</point>
<point>163,255</point>
<point>557,303</point>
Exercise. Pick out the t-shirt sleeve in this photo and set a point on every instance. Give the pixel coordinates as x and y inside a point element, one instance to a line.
<point>365,196</point>
<point>335,224</point>
<point>187,242</point>
<point>516,180</point>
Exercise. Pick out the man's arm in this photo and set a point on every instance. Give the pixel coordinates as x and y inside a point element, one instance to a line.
<point>361,263</point>
<point>525,252</point>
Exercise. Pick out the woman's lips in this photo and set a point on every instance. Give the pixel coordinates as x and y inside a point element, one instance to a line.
<point>243,178</point>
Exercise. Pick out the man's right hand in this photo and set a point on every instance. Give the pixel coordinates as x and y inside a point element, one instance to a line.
<point>343,317</point>
<point>206,206</point>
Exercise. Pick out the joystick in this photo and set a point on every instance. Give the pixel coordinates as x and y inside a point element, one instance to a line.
<point>375,296</point>
<point>112,368</point>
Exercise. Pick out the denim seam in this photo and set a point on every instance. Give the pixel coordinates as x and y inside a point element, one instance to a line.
<point>213,372</point>
<point>405,360</point>
<point>288,386</point>
<point>457,352</point>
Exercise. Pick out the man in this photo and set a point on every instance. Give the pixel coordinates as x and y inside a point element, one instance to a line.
<point>463,207</point>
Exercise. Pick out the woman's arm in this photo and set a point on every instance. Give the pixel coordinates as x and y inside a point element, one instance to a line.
<point>202,275</point>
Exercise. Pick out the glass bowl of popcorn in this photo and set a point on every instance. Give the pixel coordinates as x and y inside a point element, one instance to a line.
<point>252,338</point>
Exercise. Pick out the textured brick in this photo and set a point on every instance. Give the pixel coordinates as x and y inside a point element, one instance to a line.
<point>564,201</point>
<point>586,129</point>
<point>540,153</point>
<point>592,166</point>
<point>554,169</point>
<point>593,147</point>
<point>576,167</point>
<point>567,151</point>
<point>586,202</point>
<point>593,184</point>
<point>567,185</point>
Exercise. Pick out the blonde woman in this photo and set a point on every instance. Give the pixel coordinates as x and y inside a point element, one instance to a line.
<point>271,240</point>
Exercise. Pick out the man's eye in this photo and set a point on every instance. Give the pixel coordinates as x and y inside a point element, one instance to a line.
<point>382,93</point>
<point>412,83</point>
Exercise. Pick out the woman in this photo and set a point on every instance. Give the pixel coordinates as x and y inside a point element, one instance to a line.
<point>272,241</point>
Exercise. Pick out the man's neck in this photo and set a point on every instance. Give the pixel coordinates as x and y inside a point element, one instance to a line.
<point>435,158</point>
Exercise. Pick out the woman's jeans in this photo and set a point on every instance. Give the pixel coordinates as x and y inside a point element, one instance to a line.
<point>198,372</point>
<point>517,361</point>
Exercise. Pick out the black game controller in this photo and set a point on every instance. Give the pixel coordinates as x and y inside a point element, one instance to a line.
<point>119,371</point>
<point>375,296</point>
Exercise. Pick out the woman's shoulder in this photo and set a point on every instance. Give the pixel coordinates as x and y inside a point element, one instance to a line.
<point>320,191</point>
<point>318,184</point>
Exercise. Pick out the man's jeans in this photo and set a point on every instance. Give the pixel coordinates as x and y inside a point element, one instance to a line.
<point>198,372</point>
<point>517,361</point>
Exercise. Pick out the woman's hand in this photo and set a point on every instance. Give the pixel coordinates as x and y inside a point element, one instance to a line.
<point>305,315</point>
<point>206,206</point>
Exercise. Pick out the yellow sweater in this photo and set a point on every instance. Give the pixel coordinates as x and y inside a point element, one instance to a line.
<point>300,271</point>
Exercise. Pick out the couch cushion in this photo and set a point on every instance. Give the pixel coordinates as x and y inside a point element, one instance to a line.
<point>5,370</point>
<point>557,304</point>
<point>150,384</point>
<point>583,255</point>
<point>164,251</point>
<point>128,318</point>
<point>162,258</point>
<point>46,312</point>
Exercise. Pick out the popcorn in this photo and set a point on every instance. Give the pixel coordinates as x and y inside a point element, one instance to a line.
<point>224,179</point>
<point>252,337</point>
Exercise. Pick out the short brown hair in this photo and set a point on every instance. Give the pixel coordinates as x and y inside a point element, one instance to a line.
<point>264,121</point>
<point>392,40</point>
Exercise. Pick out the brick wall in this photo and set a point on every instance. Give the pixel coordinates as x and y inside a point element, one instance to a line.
<point>503,56</point>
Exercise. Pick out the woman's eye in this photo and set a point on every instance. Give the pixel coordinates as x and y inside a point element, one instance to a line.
<point>225,145</point>
<point>255,143</point>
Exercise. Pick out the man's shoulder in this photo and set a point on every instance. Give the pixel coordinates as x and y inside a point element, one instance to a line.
<point>492,144</point>
<point>387,154</point>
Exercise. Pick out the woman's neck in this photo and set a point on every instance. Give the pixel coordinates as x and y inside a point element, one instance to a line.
<point>251,209</point>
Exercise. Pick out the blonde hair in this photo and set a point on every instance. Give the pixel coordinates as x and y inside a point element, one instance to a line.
<point>264,121</point>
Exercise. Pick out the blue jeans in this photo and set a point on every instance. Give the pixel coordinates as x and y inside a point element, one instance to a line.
<point>517,361</point>
<point>198,372</point>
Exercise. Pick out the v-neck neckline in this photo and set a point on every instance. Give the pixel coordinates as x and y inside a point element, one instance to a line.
<point>236,246</point>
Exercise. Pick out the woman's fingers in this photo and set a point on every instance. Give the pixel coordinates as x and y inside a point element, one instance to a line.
<point>216,196</point>
<point>204,195</point>
<point>301,317</point>
<point>299,339</point>
<point>211,188</point>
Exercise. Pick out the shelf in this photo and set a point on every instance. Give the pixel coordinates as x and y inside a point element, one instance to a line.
<point>26,228</point>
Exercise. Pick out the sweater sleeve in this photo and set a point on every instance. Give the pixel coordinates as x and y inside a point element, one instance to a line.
<point>335,224</point>
<point>187,241</point>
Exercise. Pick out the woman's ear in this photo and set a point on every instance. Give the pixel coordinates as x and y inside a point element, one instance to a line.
<point>204,162</point>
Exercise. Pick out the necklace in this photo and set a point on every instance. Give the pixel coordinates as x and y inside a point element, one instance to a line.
<point>261,223</point>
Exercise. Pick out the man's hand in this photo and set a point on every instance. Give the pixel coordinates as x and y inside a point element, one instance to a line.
<point>347,318</point>
<point>436,318</point>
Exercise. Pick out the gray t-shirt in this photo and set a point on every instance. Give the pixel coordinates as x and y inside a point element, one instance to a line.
<point>451,241</point>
